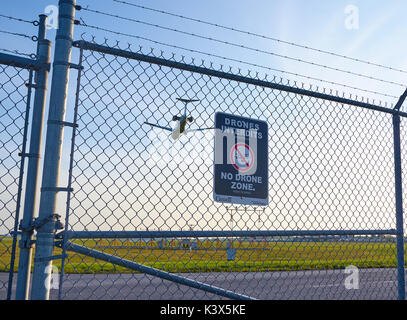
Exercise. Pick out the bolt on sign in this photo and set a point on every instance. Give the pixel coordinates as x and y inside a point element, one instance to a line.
<point>241,160</point>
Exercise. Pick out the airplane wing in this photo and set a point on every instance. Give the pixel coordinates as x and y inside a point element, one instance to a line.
<point>187,100</point>
<point>157,126</point>
<point>199,129</point>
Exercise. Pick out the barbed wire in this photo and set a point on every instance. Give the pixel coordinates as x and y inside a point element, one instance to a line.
<point>241,46</point>
<point>33,38</point>
<point>234,60</point>
<point>263,37</point>
<point>30,55</point>
<point>34,22</point>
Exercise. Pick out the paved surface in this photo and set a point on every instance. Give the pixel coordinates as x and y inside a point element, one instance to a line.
<point>378,284</point>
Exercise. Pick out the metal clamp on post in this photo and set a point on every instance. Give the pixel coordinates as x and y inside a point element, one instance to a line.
<point>57,189</point>
<point>29,155</point>
<point>68,64</point>
<point>38,223</point>
<point>63,123</point>
<point>31,85</point>
<point>77,44</point>
<point>57,257</point>
<point>35,86</point>
<point>26,244</point>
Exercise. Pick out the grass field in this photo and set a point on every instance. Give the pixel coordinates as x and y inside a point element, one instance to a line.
<point>211,256</point>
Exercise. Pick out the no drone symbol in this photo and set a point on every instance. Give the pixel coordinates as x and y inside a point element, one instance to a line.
<point>242,157</point>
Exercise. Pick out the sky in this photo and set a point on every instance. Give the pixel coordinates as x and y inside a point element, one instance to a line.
<point>364,30</point>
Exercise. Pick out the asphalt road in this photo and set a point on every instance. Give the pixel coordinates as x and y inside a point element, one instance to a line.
<point>373,284</point>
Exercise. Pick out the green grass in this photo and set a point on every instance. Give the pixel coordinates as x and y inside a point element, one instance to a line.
<point>274,256</point>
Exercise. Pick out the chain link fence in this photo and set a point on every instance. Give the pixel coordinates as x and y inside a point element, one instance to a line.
<point>331,212</point>
<point>14,109</point>
<point>140,220</point>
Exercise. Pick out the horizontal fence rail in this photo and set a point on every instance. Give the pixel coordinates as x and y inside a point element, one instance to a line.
<point>21,62</point>
<point>218,234</point>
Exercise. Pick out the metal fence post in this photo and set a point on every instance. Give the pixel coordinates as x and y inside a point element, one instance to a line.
<point>53,149</point>
<point>399,209</point>
<point>25,244</point>
<point>399,200</point>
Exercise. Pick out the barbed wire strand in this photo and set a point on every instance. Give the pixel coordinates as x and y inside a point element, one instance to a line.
<point>234,60</point>
<point>247,48</point>
<point>30,55</point>
<point>34,22</point>
<point>33,38</point>
<point>263,37</point>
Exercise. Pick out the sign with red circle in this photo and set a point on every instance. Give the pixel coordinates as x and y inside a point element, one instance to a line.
<point>242,157</point>
<point>240,160</point>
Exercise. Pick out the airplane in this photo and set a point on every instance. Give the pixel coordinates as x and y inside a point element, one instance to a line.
<point>181,122</point>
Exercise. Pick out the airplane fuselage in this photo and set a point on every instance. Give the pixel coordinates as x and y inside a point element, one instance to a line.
<point>181,121</point>
<point>179,128</point>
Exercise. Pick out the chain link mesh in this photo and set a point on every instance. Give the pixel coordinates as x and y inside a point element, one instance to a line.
<point>330,166</point>
<point>13,103</point>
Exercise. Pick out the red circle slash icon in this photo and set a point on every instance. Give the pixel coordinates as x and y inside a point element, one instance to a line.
<point>242,157</point>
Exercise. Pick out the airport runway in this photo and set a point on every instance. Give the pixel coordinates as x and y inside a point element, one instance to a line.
<point>374,284</point>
